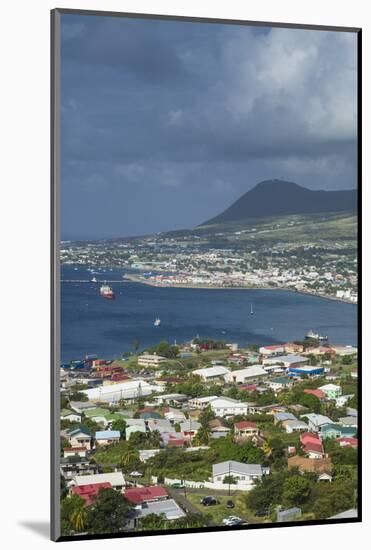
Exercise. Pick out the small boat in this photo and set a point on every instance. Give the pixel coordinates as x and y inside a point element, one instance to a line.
<point>157,322</point>
<point>315,336</point>
<point>107,292</point>
<point>93,280</point>
<point>251,310</point>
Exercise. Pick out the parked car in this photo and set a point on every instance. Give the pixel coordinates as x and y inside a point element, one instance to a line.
<point>230,504</point>
<point>230,521</point>
<point>262,513</point>
<point>209,501</point>
<point>177,486</point>
<point>136,474</point>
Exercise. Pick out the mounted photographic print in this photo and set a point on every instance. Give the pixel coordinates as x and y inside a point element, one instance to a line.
<point>205,226</point>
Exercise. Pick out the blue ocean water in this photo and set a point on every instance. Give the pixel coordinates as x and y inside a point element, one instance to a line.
<point>93,325</point>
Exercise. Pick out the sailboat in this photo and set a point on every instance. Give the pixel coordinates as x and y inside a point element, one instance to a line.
<point>157,322</point>
<point>251,310</point>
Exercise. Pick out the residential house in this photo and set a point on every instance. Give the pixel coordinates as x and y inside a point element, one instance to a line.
<point>292,348</point>
<point>140,495</point>
<point>134,425</point>
<point>349,421</point>
<point>201,402</point>
<point>245,429</point>
<point>332,391</point>
<point>317,421</point>
<point>74,451</point>
<point>317,393</point>
<point>174,439</point>
<point>245,475</point>
<point>79,437</point>
<point>283,416</point>
<point>312,445</point>
<point>314,465</point>
<point>116,479</point>
<point>280,383</point>
<point>189,428</point>
<point>225,406</point>
<point>89,492</point>
<point>167,507</point>
<point>348,442</point>
<point>177,399</point>
<point>174,415</point>
<point>107,437</point>
<point>70,415</point>
<point>218,428</point>
<point>71,466</point>
<point>81,406</point>
<point>160,425</point>
<point>343,400</point>
<point>334,431</point>
<point>269,351</point>
<point>292,426</point>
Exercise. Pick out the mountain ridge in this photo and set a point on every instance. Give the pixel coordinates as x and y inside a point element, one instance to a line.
<point>280,198</point>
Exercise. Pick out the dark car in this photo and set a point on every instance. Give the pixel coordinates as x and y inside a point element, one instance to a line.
<point>230,504</point>
<point>262,513</point>
<point>209,501</point>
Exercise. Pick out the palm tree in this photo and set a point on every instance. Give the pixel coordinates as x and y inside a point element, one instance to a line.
<point>203,435</point>
<point>128,457</point>
<point>78,519</point>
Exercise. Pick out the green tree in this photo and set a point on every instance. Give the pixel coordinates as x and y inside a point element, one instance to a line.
<point>153,522</point>
<point>120,426</point>
<point>70,506</point>
<point>109,513</point>
<point>296,490</point>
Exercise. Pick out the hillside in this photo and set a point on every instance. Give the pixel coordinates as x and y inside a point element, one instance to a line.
<point>273,198</point>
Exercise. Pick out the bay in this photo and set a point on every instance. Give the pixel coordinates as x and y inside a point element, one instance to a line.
<point>93,325</point>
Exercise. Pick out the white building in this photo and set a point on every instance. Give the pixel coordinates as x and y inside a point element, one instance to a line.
<point>242,376</point>
<point>225,406</point>
<point>211,373</point>
<point>116,479</point>
<point>127,390</point>
<point>147,360</point>
<point>245,475</point>
<point>201,402</point>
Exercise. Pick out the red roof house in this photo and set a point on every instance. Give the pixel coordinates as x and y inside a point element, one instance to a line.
<point>89,492</point>
<point>317,393</point>
<point>348,442</point>
<point>138,495</point>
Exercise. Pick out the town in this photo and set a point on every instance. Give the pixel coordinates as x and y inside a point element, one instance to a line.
<point>208,434</point>
<point>285,253</point>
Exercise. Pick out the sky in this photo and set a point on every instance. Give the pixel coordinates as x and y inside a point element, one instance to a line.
<point>164,124</point>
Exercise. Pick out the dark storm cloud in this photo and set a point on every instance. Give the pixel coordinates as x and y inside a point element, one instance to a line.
<point>166,123</point>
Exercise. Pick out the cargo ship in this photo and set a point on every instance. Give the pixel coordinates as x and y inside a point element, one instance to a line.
<point>107,292</point>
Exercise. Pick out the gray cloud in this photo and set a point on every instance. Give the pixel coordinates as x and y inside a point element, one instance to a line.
<point>196,114</point>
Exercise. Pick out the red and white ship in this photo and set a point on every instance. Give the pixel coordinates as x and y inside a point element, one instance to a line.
<point>107,292</point>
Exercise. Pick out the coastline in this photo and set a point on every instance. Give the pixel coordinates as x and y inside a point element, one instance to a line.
<point>142,280</point>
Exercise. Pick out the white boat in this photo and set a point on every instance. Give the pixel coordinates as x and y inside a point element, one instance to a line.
<point>93,280</point>
<point>157,322</point>
<point>251,310</point>
<point>315,335</point>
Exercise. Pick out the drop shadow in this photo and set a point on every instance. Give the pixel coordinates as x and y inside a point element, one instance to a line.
<point>41,528</point>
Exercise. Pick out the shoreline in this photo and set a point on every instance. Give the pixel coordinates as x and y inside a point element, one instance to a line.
<point>142,280</point>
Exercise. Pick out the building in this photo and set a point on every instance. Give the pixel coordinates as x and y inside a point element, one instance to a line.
<point>306,370</point>
<point>116,479</point>
<point>201,402</point>
<point>160,425</point>
<point>107,437</point>
<point>70,415</point>
<point>211,374</point>
<point>283,417</point>
<point>245,429</point>
<point>349,421</point>
<point>280,383</point>
<point>71,466</point>
<point>172,399</point>
<point>293,348</point>
<point>245,475</point>
<point>174,415</point>
<point>79,437</point>
<point>168,507</point>
<point>332,391</point>
<point>89,492</point>
<point>348,442</point>
<point>291,514</point>
<point>288,361</point>
<point>134,425</point>
<point>189,428</point>
<point>225,406</point>
<point>334,431</point>
<point>151,360</point>
<point>139,495</point>
<point>317,421</point>
<point>313,465</point>
<point>113,393</point>
<point>74,451</point>
<point>269,351</point>
<point>312,445</point>
<point>317,393</point>
<point>292,426</point>
<point>243,376</point>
